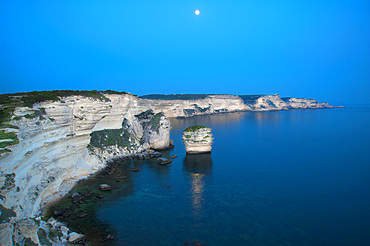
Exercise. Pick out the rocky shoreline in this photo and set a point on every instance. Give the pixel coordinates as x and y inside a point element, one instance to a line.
<point>43,141</point>
<point>75,205</point>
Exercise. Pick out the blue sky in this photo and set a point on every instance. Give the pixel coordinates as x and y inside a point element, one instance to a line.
<point>318,49</point>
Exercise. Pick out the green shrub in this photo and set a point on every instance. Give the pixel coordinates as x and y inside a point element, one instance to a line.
<point>41,233</point>
<point>8,135</point>
<point>110,137</point>
<point>194,128</point>
<point>9,102</point>
<point>145,115</point>
<point>154,122</point>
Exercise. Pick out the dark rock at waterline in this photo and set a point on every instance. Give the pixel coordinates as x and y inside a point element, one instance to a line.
<point>99,196</point>
<point>171,146</point>
<point>139,156</point>
<point>156,154</point>
<point>163,161</point>
<point>133,169</point>
<point>146,156</point>
<point>105,187</point>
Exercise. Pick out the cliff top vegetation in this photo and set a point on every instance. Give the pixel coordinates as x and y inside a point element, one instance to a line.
<point>175,96</point>
<point>194,128</point>
<point>250,99</point>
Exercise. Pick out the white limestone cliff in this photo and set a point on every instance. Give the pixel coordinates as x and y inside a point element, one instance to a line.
<point>53,153</point>
<point>303,103</point>
<point>197,139</point>
<point>212,104</point>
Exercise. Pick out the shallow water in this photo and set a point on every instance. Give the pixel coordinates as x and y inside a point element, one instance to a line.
<point>299,177</point>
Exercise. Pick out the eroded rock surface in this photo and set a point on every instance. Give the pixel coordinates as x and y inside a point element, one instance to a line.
<point>197,139</point>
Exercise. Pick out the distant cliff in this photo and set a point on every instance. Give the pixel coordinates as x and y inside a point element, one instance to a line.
<point>50,140</point>
<point>186,105</point>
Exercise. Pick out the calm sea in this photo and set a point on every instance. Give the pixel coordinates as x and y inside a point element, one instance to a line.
<point>299,177</point>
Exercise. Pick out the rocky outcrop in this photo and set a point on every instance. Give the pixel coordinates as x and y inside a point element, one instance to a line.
<point>197,139</point>
<point>49,139</point>
<point>157,132</point>
<point>268,103</point>
<point>275,102</point>
<point>303,103</point>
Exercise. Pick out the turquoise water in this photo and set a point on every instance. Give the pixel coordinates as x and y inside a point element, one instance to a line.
<point>299,177</point>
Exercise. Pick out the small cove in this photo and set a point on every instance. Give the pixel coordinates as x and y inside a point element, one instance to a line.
<point>295,177</point>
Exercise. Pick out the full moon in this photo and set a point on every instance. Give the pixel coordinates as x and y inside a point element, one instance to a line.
<point>197,12</point>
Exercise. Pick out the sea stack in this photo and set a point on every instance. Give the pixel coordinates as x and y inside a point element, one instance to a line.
<point>197,139</point>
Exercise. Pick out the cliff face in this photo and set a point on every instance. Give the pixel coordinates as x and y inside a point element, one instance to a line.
<point>54,137</point>
<point>63,141</point>
<point>305,103</point>
<point>185,108</point>
<point>275,102</point>
<point>268,103</point>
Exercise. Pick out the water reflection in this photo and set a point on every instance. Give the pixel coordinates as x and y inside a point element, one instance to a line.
<point>198,167</point>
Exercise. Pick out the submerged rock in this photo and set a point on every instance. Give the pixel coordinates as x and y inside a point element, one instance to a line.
<point>105,187</point>
<point>197,139</point>
<point>58,212</point>
<point>133,169</point>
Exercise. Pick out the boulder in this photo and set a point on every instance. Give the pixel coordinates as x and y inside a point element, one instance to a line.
<point>58,225</point>
<point>105,187</point>
<point>52,221</point>
<point>64,231</point>
<point>156,154</point>
<point>75,237</point>
<point>163,161</point>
